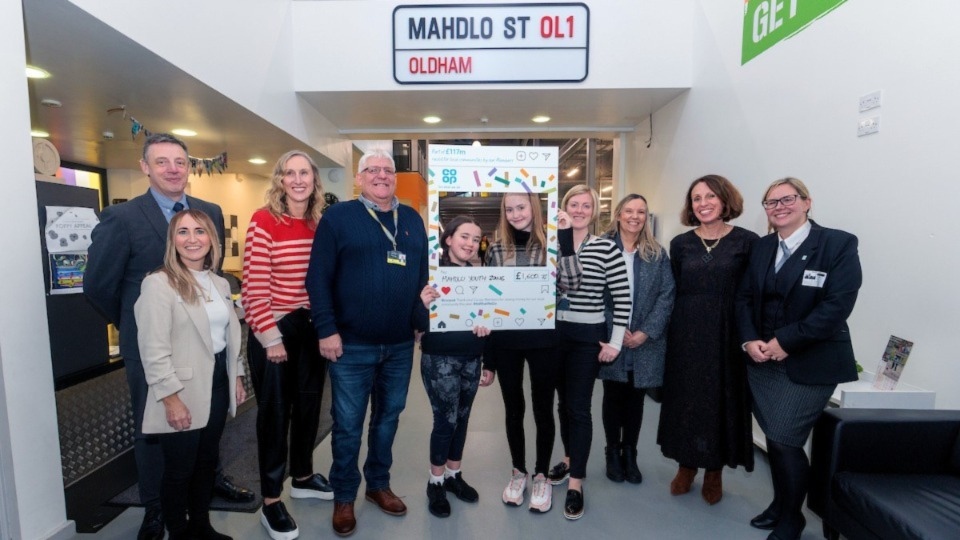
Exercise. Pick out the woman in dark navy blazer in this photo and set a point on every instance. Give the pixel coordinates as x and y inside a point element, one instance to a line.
<point>792,307</point>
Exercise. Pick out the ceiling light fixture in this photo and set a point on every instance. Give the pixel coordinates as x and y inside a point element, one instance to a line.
<point>39,133</point>
<point>52,103</point>
<point>573,172</point>
<point>37,73</point>
<point>257,161</point>
<point>184,132</point>
<point>541,119</point>
<point>431,119</point>
<point>476,143</point>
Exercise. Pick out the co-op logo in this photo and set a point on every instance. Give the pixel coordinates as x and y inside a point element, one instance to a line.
<point>449,176</point>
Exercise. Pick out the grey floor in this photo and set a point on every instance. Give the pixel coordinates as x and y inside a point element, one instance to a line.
<point>612,510</point>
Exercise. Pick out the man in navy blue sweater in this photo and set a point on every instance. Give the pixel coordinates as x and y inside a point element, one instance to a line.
<point>368,265</point>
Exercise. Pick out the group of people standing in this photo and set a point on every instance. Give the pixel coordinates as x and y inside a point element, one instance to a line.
<point>727,324</point>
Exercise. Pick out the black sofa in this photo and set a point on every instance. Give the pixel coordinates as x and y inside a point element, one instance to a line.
<point>887,474</point>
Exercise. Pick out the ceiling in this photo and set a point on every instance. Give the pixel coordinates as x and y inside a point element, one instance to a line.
<point>95,69</point>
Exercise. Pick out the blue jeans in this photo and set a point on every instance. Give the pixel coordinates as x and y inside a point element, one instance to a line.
<point>379,374</point>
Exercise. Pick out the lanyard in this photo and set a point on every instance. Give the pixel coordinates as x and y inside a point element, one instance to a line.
<point>585,240</point>
<point>386,232</point>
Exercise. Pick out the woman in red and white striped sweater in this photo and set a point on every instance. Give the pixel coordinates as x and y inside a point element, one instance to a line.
<point>286,368</point>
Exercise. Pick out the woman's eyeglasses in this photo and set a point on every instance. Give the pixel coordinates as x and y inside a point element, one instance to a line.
<point>770,204</point>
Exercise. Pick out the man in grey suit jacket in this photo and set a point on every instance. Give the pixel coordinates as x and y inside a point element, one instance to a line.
<point>128,243</point>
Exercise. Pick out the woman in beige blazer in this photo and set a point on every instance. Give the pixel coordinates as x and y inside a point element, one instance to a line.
<point>189,339</point>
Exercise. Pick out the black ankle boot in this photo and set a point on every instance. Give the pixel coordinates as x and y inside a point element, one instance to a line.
<point>614,467</point>
<point>631,471</point>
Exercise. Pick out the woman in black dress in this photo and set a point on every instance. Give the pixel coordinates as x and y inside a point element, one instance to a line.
<point>705,416</point>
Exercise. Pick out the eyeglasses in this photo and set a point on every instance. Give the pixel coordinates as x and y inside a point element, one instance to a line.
<point>376,170</point>
<point>770,204</point>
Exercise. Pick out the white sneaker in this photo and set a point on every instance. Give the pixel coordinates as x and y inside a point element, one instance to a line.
<point>541,494</point>
<point>513,494</point>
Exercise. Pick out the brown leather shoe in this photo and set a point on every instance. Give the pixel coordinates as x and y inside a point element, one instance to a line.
<point>712,486</point>
<point>387,501</point>
<point>344,523</point>
<point>682,481</point>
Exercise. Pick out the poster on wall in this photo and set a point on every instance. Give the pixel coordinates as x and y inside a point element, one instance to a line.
<point>500,298</point>
<point>67,235</point>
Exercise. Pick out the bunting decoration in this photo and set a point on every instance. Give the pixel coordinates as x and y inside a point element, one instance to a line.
<point>198,165</point>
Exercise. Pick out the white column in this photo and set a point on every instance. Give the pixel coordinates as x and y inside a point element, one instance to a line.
<point>31,482</point>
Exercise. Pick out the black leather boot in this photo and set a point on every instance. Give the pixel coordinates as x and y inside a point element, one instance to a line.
<point>631,471</point>
<point>614,467</point>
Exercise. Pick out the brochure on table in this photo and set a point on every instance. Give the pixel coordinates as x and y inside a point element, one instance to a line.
<point>500,298</point>
<point>891,365</point>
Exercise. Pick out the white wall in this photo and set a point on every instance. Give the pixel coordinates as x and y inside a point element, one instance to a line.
<point>793,111</point>
<point>632,45</point>
<point>252,42</point>
<point>31,484</point>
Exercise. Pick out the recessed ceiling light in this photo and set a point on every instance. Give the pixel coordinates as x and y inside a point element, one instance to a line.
<point>541,119</point>
<point>184,132</point>
<point>257,161</point>
<point>37,73</point>
<point>431,119</point>
<point>39,133</point>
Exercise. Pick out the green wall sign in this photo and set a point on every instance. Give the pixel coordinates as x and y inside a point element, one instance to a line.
<point>768,22</point>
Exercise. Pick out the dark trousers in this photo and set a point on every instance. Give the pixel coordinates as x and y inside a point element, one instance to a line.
<point>146,448</point>
<point>579,349</point>
<point>190,461</point>
<point>288,401</point>
<point>543,379</point>
<point>451,384</point>
<point>622,412</point>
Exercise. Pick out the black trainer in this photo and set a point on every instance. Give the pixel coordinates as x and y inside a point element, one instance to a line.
<point>559,473</point>
<point>573,507</point>
<point>278,522</point>
<point>315,487</point>
<point>437,500</point>
<point>460,488</point>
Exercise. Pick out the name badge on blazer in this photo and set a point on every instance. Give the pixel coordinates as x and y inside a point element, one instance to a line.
<point>813,278</point>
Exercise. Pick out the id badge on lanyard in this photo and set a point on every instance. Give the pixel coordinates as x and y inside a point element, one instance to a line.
<point>394,256</point>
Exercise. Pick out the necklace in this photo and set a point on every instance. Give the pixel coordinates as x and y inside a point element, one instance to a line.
<point>707,257</point>
<point>206,289</point>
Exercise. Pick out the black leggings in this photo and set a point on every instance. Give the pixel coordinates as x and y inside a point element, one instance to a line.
<point>622,412</point>
<point>288,400</point>
<point>543,375</point>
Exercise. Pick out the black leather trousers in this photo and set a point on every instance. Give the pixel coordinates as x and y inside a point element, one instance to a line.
<point>288,401</point>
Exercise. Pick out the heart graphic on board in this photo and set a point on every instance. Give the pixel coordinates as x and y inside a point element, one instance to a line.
<point>446,290</point>
<point>519,321</point>
<point>533,155</point>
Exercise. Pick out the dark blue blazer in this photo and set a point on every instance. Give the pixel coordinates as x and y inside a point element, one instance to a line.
<point>815,333</point>
<point>129,243</point>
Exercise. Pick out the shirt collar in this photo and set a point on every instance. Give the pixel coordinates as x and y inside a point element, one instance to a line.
<point>376,207</point>
<point>166,203</point>
<point>797,237</point>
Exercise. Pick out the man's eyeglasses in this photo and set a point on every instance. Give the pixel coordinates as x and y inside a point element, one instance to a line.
<point>770,204</point>
<point>376,170</point>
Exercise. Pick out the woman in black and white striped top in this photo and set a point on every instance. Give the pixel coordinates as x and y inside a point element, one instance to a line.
<point>585,342</point>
